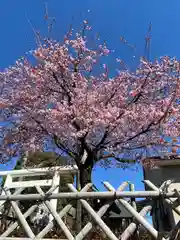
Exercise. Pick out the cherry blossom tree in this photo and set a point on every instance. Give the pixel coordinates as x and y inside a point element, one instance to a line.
<point>88,116</point>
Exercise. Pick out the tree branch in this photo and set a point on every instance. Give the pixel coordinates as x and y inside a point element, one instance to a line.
<point>111,96</point>
<point>82,146</point>
<point>63,88</point>
<point>101,141</point>
<point>40,125</point>
<point>62,147</point>
<point>136,98</point>
<point>55,138</point>
<point>122,160</point>
<point>148,128</point>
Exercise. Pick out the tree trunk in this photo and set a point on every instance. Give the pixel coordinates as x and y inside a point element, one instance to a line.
<point>85,175</point>
<point>85,178</point>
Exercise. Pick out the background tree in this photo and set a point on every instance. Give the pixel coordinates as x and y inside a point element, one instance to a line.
<point>45,159</point>
<point>60,100</point>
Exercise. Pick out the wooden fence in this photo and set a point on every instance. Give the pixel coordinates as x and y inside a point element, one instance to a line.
<point>57,221</point>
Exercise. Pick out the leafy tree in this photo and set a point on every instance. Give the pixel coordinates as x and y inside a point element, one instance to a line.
<point>48,160</point>
<point>44,159</point>
<point>89,117</point>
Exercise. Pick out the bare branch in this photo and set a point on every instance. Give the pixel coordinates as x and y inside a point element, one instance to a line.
<point>62,147</point>
<point>122,160</point>
<point>102,141</point>
<point>136,98</point>
<point>55,138</point>
<point>63,88</point>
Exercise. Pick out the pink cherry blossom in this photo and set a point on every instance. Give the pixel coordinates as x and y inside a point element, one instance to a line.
<point>92,113</point>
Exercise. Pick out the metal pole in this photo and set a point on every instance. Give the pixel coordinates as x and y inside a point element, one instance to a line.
<point>136,215</point>
<point>100,213</point>
<point>95,216</point>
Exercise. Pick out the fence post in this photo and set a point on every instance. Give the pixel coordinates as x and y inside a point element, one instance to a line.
<point>136,215</point>
<point>133,200</point>
<point>78,205</point>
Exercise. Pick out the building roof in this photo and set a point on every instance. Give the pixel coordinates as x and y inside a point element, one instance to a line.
<point>158,161</point>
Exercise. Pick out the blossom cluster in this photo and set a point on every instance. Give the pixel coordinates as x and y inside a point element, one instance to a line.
<point>60,97</point>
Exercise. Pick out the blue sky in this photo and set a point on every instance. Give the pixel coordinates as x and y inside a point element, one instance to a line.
<point>111,19</point>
